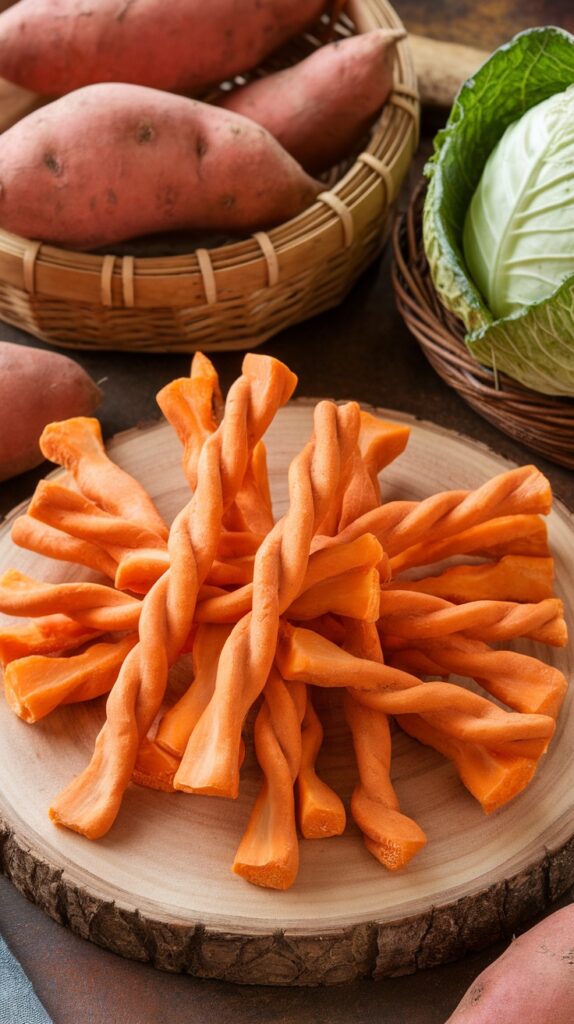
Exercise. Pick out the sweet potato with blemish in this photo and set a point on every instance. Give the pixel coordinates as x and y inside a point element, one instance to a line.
<point>36,387</point>
<point>531,983</point>
<point>54,46</point>
<point>112,161</point>
<point>321,108</point>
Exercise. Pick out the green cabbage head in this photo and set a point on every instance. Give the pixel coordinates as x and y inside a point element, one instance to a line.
<point>499,211</point>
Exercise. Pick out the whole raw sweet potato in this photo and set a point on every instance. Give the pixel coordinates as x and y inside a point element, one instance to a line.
<point>322,107</point>
<point>112,161</point>
<point>531,983</point>
<point>36,387</point>
<point>54,46</point>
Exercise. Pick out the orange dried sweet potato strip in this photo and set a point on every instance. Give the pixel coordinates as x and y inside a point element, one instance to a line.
<point>390,836</point>
<point>352,594</point>
<point>268,854</point>
<point>154,767</point>
<point>400,524</point>
<point>324,564</point>
<point>513,578</point>
<point>177,723</point>
<point>209,764</point>
<point>91,604</point>
<point>492,778</point>
<point>467,716</point>
<point>518,680</point>
<point>194,407</point>
<point>381,442</point>
<point>306,657</point>
<point>35,536</point>
<point>394,837</point>
<point>48,634</point>
<point>320,811</point>
<point>35,685</point>
<point>421,616</point>
<point>507,535</point>
<point>120,539</point>
<point>236,572</point>
<point>252,509</point>
<point>361,494</point>
<point>77,515</point>
<point>90,803</point>
<point>237,544</point>
<point>77,444</point>
<point>138,570</point>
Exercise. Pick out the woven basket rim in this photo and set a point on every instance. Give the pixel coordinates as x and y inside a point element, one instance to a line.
<point>108,279</point>
<point>544,423</point>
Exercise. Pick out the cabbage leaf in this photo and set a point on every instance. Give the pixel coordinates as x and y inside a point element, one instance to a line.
<point>533,340</point>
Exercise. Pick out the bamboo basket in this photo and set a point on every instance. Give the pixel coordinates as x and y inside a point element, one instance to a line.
<point>237,294</point>
<point>543,423</point>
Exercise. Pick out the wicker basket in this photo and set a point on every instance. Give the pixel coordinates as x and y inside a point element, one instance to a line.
<point>237,294</point>
<point>543,423</point>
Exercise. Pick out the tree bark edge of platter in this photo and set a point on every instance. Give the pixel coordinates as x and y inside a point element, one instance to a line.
<point>377,950</point>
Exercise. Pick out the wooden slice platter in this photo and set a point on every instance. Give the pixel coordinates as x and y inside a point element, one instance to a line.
<point>159,887</point>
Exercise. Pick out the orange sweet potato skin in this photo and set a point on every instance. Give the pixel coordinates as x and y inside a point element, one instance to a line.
<point>320,108</point>
<point>113,161</point>
<point>54,46</point>
<point>36,387</point>
<point>531,983</point>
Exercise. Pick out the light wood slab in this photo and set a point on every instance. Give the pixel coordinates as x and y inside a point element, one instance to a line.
<point>159,887</point>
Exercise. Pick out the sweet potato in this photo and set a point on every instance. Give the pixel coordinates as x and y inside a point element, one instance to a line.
<point>36,387</point>
<point>113,161</point>
<point>320,108</point>
<point>531,983</point>
<point>54,46</point>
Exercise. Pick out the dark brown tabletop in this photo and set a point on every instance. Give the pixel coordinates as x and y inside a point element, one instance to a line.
<point>362,350</point>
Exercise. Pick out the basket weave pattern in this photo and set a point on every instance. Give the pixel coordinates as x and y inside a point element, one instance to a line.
<point>238,294</point>
<point>543,423</point>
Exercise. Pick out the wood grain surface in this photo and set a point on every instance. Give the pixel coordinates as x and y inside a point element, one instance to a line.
<point>159,887</point>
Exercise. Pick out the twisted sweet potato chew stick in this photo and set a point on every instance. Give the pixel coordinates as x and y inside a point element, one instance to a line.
<point>506,535</point>
<point>36,685</point>
<point>77,444</point>
<point>392,837</point>
<point>47,634</point>
<point>90,604</point>
<point>178,722</point>
<point>194,407</point>
<point>326,564</point>
<point>320,811</point>
<point>64,509</point>
<point>91,802</point>
<point>268,854</point>
<point>209,764</point>
<point>421,616</point>
<point>304,656</point>
<point>33,535</point>
<point>401,524</point>
<point>518,680</point>
<point>493,778</point>
<point>513,578</point>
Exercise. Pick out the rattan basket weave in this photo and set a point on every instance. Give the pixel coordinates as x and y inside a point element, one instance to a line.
<point>543,423</point>
<point>237,294</point>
